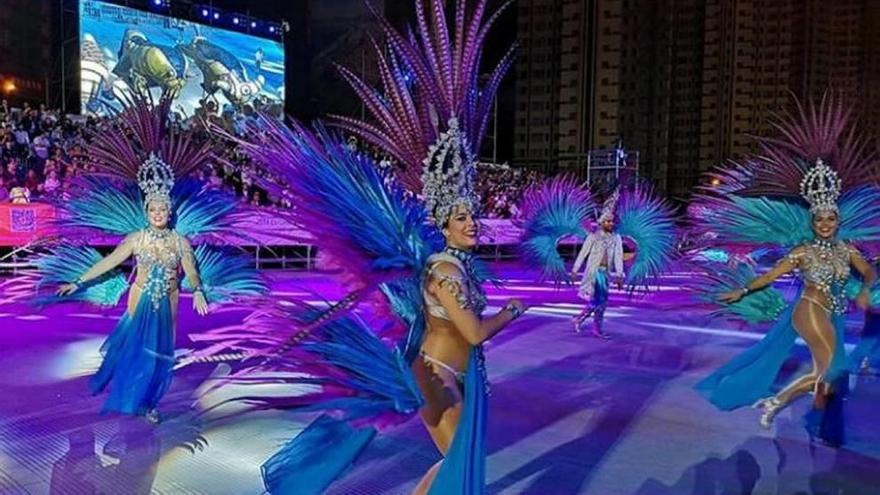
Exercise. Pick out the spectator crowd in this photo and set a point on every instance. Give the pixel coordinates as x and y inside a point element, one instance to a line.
<point>41,154</point>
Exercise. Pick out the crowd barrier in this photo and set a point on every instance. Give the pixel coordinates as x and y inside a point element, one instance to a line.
<point>268,235</point>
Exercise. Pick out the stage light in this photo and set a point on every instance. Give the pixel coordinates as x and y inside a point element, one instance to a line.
<point>253,24</point>
<point>715,182</point>
<point>9,87</point>
<point>157,3</point>
<point>216,15</point>
<point>272,29</point>
<point>205,12</point>
<point>235,20</point>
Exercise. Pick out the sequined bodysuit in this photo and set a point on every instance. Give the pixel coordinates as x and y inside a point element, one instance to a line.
<point>824,265</point>
<point>158,255</point>
<point>469,295</point>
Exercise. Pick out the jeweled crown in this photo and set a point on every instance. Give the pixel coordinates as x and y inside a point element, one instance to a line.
<point>609,206</point>
<point>156,180</point>
<point>821,187</point>
<point>448,176</point>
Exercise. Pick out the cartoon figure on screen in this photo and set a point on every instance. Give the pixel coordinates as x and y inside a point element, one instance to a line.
<point>144,65</point>
<point>223,72</point>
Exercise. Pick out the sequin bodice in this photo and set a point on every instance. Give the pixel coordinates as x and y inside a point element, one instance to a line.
<point>471,296</point>
<point>468,291</point>
<point>158,256</point>
<point>825,265</point>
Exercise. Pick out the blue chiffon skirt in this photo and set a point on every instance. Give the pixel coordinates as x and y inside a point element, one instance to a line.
<point>464,469</point>
<point>311,461</point>
<point>751,375</point>
<point>869,344</point>
<point>138,358</point>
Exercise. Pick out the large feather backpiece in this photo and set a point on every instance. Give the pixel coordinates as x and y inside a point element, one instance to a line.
<point>349,366</point>
<point>120,144</point>
<point>715,279</point>
<point>552,210</point>
<point>649,222</point>
<point>226,275</point>
<point>824,129</point>
<point>107,206</point>
<point>60,265</point>
<point>362,222</point>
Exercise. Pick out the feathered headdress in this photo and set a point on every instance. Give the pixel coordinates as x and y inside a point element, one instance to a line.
<point>121,145</point>
<point>820,130</point>
<point>427,76</point>
<point>608,208</point>
<point>821,187</point>
<point>448,179</point>
<point>755,203</point>
<point>156,180</point>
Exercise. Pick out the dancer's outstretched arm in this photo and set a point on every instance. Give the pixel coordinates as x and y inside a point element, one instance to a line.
<point>784,266</point>
<point>122,252</point>
<point>188,262</point>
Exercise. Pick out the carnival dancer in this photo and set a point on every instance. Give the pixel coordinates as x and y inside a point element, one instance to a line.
<point>837,210</point>
<point>429,117</point>
<point>139,197</point>
<point>602,251</point>
<point>560,208</point>
<point>451,372</point>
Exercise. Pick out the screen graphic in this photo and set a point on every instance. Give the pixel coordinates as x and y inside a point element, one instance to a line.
<point>124,49</point>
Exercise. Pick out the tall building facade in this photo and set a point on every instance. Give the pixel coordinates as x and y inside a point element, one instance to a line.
<point>539,77</point>
<point>685,82</point>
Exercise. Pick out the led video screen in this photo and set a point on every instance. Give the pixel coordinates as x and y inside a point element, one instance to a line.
<point>124,50</point>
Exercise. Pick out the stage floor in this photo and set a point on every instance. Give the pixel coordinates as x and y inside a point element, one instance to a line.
<point>569,413</point>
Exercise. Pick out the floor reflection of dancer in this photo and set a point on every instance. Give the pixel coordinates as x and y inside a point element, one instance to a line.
<point>451,373</point>
<point>823,265</point>
<point>603,253</point>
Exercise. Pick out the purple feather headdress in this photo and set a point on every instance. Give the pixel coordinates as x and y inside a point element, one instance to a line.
<point>428,78</point>
<point>818,131</point>
<point>120,145</point>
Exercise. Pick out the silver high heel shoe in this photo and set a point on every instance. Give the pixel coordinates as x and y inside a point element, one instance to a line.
<point>770,406</point>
